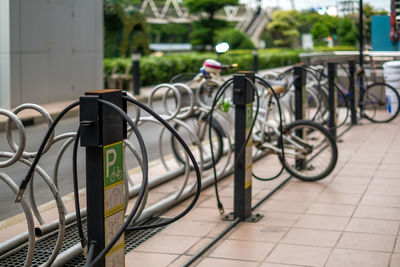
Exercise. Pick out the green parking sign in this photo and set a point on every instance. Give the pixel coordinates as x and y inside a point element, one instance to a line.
<point>113,163</point>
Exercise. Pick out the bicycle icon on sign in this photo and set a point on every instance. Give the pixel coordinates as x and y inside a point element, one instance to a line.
<point>116,174</point>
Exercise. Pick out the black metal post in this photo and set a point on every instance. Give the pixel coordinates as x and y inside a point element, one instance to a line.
<point>243,98</point>
<point>136,73</point>
<point>255,60</point>
<point>299,84</point>
<point>352,90</point>
<point>361,32</point>
<point>102,133</point>
<point>332,98</point>
<point>299,98</point>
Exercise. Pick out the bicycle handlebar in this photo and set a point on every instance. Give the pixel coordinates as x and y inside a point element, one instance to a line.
<point>232,66</point>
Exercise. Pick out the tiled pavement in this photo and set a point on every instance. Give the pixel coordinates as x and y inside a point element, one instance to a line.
<point>350,218</point>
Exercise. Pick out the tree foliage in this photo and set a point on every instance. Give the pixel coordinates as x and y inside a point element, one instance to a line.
<point>319,31</point>
<point>283,28</point>
<point>347,32</point>
<point>203,32</point>
<point>126,29</point>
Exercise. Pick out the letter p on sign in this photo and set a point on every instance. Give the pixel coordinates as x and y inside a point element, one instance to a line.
<point>111,157</point>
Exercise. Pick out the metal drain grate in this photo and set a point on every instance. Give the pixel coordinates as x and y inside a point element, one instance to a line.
<point>45,245</point>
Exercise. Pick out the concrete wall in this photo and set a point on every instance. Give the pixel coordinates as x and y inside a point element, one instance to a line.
<point>56,49</point>
<point>4,53</point>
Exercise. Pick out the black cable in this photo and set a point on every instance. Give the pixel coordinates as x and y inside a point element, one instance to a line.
<point>90,253</point>
<point>265,83</point>
<point>189,153</point>
<point>82,237</point>
<point>140,197</point>
<point>28,176</point>
<point>218,95</point>
<point>340,92</point>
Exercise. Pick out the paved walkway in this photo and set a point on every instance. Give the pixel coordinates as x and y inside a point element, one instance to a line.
<point>351,218</point>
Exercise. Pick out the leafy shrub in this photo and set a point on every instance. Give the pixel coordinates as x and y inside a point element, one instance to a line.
<point>155,70</point>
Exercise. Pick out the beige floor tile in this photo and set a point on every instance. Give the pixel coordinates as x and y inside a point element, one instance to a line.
<point>384,190</point>
<point>387,173</point>
<point>254,232</point>
<point>227,202</point>
<point>279,218</point>
<point>331,209</point>
<point>356,172</point>
<point>354,180</point>
<point>268,264</point>
<point>359,258</point>
<point>383,201</point>
<point>362,166</point>
<point>189,228</point>
<point>318,238</point>
<point>242,250</point>
<point>135,258</point>
<point>395,260</point>
<point>348,189</point>
<point>284,206</point>
<point>322,222</point>
<point>295,195</point>
<point>377,213</point>
<point>387,167</point>
<point>168,244</point>
<point>363,241</point>
<point>373,226</point>
<point>296,185</point>
<point>339,198</point>
<point>199,214</point>
<point>300,255</point>
<point>385,182</point>
<point>226,263</point>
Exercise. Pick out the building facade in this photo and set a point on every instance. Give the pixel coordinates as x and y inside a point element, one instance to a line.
<point>50,50</point>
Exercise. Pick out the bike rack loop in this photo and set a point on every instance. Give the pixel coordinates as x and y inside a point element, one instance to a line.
<point>20,152</point>
<point>165,203</point>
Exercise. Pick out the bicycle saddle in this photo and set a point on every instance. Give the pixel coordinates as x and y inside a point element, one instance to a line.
<point>279,87</point>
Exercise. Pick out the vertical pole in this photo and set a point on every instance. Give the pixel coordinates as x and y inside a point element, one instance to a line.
<point>102,133</point>
<point>352,90</point>
<point>299,99</point>
<point>361,32</point>
<point>255,60</point>
<point>136,73</point>
<point>299,84</point>
<point>332,98</point>
<point>243,98</point>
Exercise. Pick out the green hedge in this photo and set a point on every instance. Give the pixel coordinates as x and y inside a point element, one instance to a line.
<point>155,70</point>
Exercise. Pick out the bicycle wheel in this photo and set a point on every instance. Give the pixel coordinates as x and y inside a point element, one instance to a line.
<point>205,93</point>
<point>310,150</point>
<point>381,102</point>
<point>199,127</point>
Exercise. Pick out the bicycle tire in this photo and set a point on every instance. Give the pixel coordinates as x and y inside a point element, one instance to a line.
<point>316,132</point>
<point>374,108</point>
<point>218,136</point>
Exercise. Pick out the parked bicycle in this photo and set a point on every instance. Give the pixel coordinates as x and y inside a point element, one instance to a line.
<point>310,151</point>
